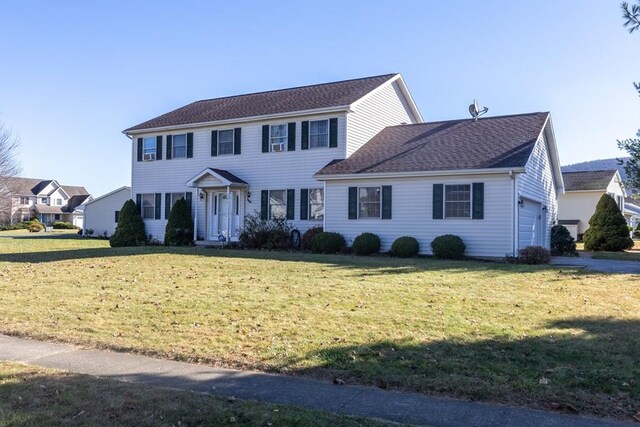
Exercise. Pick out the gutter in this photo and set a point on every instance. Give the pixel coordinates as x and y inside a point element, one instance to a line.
<point>497,171</point>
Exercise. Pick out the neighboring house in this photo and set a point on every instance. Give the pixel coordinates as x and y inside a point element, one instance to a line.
<point>46,200</point>
<point>353,156</point>
<point>101,214</point>
<point>583,190</point>
<point>632,212</point>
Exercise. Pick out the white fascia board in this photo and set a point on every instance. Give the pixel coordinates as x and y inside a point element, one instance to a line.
<point>453,172</point>
<point>552,146</point>
<point>603,191</point>
<point>405,92</point>
<point>338,109</point>
<point>124,187</point>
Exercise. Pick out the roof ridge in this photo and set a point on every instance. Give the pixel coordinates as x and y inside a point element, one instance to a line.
<point>293,88</point>
<point>592,171</point>
<point>472,119</point>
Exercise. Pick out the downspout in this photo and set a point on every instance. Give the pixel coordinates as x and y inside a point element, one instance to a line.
<point>195,222</point>
<point>324,201</point>
<point>229,207</point>
<point>513,212</point>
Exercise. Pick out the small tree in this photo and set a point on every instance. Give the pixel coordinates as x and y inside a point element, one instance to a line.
<point>130,229</point>
<point>179,229</point>
<point>562,242</point>
<point>607,228</point>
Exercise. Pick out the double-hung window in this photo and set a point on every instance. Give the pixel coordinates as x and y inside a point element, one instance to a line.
<point>277,204</point>
<point>319,133</point>
<point>174,197</point>
<point>24,200</point>
<point>369,202</point>
<point>225,142</point>
<point>149,206</point>
<point>149,148</point>
<point>457,201</point>
<point>58,202</point>
<point>278,138</point>
<point>44,200</point>
<point>179,145</point>
<point>316,203</point>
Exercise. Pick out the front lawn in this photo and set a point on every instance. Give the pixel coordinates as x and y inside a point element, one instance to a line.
<point>32,396</point>
<point>632,254</point>
<point>524,335</point>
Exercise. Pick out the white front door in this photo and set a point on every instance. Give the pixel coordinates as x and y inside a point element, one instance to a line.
<point>225,209</point>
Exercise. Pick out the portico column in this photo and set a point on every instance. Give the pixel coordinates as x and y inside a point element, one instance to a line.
<point>195,220</point>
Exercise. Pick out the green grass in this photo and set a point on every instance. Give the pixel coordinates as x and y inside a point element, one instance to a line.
<point>31,396</point>
<point>524,335</point>
<point>632,254</point>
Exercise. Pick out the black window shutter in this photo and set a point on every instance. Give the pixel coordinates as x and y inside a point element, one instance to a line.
<point>158,206</point>
<point>117,216</point>
<point>214,143</point>
<point>353,202</point>
<point>333,133</point>
<point>477,211</point>
<point>190,145</point>
<point>159,147</point>
<point>139,149</point>
<point>237,141</point>
<point>438,201</point>
<point>304,204</point>
<point>167,205</point>
<point>386,202</point>
<point>304,142</point>
<point>188,197</point>
<point>291,136</point>
<point>265,138</point>
<point>291,204</point>
<point>264,205</point>
<point>169,146</point>
<point>139,202</point>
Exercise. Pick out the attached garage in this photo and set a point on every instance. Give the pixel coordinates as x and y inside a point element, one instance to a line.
<point>530,219</point>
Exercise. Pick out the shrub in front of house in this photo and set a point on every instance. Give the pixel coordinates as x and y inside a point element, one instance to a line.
<point>62,225</point>
<point>534,255</point>
<point>327,242</point>
<point>271,234</point>
<point>366,244</point>
<point>636,233</point>
<point>35,226</point>
<point>448,246</point>
<point>179,229</point>
<point>405,247</point>
<point>607,228</point>
<point>562,242</point>
<point>130,229</point>
<point>308,236</point>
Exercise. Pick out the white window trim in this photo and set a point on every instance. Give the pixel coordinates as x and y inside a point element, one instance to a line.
<point>309,204</point>
<point>328,134</point>
<point>379,187</point>
<point>151,156</point>
<point>173,202</point>
<point>444,203</point>
<point>285,203</point>
<point>233,142</point>
<point>153,205</point>
<point>285,137</point>
<point>173,146</point>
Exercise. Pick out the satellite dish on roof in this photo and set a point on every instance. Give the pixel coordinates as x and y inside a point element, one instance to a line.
<point>475,111</point>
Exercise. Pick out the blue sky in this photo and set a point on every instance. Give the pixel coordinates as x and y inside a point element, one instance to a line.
<point>75,74</point>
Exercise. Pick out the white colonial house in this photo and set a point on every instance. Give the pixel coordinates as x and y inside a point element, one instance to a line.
<point>583,190</point>
<point>102,213</point>
<point>351,156</point>
<point>46,200</point>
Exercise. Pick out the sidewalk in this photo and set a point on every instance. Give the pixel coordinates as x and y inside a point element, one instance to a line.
<point>353,400</point>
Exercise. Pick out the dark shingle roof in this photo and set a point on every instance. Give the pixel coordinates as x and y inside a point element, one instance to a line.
<point>33,186</point>
<point>325,95</point>
<point>587,180</point>
<point>74,202</point>
<point>229,176</point>
<point>492,142</point>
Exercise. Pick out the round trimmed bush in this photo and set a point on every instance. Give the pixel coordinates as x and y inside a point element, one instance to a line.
<point>448,246</point>
<point>130,229</point>
<point>327,242</point>
<point>366,244</point>
<point>405,247</point>
<point>534,255</point>
<point>308,236</point>
<point>562,243</point>
<point>607,228</point>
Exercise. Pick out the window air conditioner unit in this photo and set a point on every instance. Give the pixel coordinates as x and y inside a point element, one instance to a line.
<point>149,156</point>
<point>277,146</point>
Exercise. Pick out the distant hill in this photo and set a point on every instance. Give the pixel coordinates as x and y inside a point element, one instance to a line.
<point>598,165</point>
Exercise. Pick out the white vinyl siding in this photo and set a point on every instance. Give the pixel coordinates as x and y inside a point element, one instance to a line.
<point>412,214</point>
<point>386,107</point>
<point>99,214</point>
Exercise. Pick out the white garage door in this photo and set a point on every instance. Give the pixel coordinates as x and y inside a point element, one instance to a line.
<point>529,229</point>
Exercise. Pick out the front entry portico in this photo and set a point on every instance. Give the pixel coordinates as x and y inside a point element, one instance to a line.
<point>222,196</point>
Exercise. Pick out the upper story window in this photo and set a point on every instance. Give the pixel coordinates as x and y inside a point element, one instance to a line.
<point>369,202</point>
<point>457,201</point>
<point>319,133</point>
<point>278,138</point>
<point>179,145</point>
<point>316,203</point>
<point>24,200</point>
<point>225,142</point>
<point>44,200</point>
<point>149,148</point>
<point>277,204</point>
<point>149,206</point>
<point>58,202</point>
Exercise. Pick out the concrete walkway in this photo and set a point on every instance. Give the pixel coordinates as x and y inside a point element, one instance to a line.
<point>280,389</point>
<point>601,265</point>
